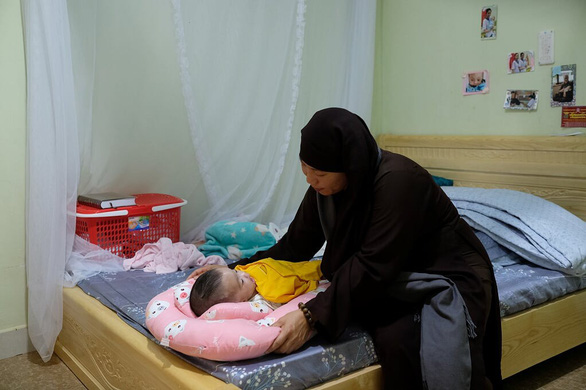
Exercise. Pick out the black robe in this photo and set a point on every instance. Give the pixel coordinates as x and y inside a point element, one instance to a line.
<point>392,218</point>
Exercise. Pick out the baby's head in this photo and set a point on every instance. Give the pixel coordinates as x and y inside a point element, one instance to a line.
<point>475,79</point>
<point>220,285</point>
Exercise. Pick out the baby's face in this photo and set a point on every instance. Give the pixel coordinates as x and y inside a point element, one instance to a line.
<point>240,286</point>
<point>475,79</point>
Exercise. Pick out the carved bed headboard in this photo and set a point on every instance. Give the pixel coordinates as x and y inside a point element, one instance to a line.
<point>553,168</point>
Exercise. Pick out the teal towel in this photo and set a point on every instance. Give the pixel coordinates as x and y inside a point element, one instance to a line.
<point>236,240</point>
<point>442,181</point>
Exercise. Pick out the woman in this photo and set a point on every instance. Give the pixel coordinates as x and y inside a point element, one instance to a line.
<point>515,64</point>
<point>522,62</point>
<point>383,216</point>
<point>488,24</point>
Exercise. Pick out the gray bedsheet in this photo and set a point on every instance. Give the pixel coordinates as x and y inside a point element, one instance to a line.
<point>128,293</point>
<point>521,285</point>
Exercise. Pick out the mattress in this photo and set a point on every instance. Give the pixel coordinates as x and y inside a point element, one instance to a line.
<point>521,285</point>
<point>128,293</point>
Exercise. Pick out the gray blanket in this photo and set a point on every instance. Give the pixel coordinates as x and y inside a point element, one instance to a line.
<point>538,230</point>
<point>445,329</point>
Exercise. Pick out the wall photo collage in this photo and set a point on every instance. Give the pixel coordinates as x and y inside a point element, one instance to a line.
<point>563,77</point>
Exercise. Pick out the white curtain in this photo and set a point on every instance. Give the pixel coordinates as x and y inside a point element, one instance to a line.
<point>201,99</point>
<point>223,81</point>
<point>53,166</point>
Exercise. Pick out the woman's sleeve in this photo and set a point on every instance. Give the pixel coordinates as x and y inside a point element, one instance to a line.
<point>397,221</point>
<point>303,238</point>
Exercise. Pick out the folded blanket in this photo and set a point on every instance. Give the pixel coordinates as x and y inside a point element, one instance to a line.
<point>165,256</point>
<point>536,229</point>
<point>237,240</point>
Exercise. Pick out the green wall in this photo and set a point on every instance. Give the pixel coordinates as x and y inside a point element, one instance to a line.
<point>424,47</point>
<point>12,180</point>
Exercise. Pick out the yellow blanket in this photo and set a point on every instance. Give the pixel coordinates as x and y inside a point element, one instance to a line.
<point>280,281</point>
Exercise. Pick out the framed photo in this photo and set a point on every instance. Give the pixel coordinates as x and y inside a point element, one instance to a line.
<point>488,22</point>
<point>563,85</point>
<point>525,99</point>
<point>521,62</point>
<point>475,82</point>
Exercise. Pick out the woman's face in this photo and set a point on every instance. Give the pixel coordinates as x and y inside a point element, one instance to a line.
<point>326,183</point>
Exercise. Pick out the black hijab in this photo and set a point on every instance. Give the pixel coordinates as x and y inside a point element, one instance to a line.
<point>336,140</point>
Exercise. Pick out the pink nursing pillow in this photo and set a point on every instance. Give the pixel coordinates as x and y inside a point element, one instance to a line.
<point>226,332</point>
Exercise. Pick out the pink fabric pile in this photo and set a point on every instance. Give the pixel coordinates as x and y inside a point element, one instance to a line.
<point>165,256</point>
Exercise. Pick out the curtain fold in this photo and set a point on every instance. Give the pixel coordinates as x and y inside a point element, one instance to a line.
<point>200,99</point>
<point>241,86</point>
<point>52,166</point>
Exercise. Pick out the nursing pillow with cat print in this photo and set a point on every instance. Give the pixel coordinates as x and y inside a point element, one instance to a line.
<point>225,332</point>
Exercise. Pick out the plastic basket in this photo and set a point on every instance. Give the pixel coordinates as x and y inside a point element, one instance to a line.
<point>125,230</point>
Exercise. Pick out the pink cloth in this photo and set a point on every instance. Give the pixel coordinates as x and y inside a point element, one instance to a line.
<point>165,256</point>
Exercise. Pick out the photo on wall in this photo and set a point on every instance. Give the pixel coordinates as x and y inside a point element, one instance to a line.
<point>488,22</point>
<point>521,100</point>
<point>475,82</point>
<point>521,62</point>
<point>563,85</point>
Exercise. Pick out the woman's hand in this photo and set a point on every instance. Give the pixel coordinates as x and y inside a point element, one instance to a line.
<point>295,331</point>
<point>203,269</point>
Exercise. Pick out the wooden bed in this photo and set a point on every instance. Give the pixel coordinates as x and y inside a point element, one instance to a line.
<point>106,353</point>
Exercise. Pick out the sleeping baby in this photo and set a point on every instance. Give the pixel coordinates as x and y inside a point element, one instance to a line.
<point>188,318</point>
<point>268,281</point>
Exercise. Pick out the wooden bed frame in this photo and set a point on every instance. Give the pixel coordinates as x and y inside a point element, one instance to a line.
<point>104,352</point>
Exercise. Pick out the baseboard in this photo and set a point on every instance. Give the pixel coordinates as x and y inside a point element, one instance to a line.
<point>15,342</point>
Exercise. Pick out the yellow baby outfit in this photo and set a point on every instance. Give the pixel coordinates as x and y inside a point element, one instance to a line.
<point>280,281</point>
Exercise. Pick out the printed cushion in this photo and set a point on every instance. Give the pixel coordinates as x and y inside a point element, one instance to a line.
<point>225,332</point>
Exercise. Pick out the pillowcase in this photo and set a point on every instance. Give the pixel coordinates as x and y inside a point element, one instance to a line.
<point>442,181</point>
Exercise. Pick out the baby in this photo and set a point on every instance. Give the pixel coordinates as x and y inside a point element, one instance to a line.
<point>476,82</point>
<point>274,282</point>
